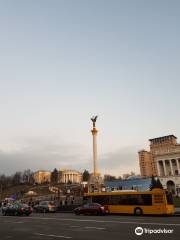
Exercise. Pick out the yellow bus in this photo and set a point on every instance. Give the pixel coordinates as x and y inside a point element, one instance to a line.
<point>156,201</point>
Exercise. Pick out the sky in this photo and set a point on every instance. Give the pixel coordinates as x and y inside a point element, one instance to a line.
<point>62,61</point>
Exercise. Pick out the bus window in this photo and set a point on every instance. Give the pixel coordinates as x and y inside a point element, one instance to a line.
<point>115,200</point>
<point>103,200</point>
<point>140,199</point>
<point>145,199</point>
<point>134,199</point>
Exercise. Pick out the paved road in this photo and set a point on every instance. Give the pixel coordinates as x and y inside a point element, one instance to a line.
<point>69,226</point>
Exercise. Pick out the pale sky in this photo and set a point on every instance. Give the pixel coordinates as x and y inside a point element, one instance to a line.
<point>62,61</point>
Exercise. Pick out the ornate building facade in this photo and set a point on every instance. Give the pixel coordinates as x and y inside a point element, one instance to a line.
<point>70,176</point>
<point>163,160</point>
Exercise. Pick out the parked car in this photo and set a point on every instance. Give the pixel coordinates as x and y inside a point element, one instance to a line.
<point>91,209</point>
<point>16,209</point>
<point>45,206</point>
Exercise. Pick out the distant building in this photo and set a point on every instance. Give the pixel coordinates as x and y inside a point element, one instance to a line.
<point>146,163</point>
<point>163,160</point>
<point>42,177</point>
<point>127,175</point>
<point>64,176</point>
<point>135,183</point>
<point>70,176</point>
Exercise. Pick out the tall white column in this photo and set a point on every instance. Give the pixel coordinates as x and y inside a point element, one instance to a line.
<point>178,167</point>
<point>164,166</point>
<point>170,161</point>
<point>158,169</point>
<point>94,134</point>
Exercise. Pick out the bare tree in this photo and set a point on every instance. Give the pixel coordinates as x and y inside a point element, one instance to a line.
<point>16,178</point>
<point>26,176</point>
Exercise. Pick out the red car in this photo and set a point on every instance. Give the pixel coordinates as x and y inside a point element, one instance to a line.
<point>90,209</point>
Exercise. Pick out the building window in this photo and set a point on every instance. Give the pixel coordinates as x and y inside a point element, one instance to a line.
<point>176,172</point>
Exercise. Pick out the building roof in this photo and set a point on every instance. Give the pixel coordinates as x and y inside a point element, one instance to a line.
<point>69,170</point>
<point>42,171</point>
<point>142,150</point>
<point>162,138</point>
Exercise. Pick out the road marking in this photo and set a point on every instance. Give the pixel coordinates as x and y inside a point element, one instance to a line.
<point>52,235</point>
<point>129,218</point>
<point>98,228</point>
<point>103,221</point>
<point>11,222</point>
<point>109,221</point>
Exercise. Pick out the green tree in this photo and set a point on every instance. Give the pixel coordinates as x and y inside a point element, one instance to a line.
<point>153,183</point>
<point>159,184</point>
<point>85,175</point>
<point>16,178</point>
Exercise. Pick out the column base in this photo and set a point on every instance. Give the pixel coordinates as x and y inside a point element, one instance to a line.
<point>95,183</point>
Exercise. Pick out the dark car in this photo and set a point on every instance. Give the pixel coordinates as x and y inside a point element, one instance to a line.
<point>45,206</point>
<point>90,209</point>
<point>16,209</point>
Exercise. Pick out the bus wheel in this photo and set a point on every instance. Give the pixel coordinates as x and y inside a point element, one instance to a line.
<point>138,212</point>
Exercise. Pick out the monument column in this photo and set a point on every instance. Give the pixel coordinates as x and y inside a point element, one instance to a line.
<point>94,134</point>
<point>95,181</point>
